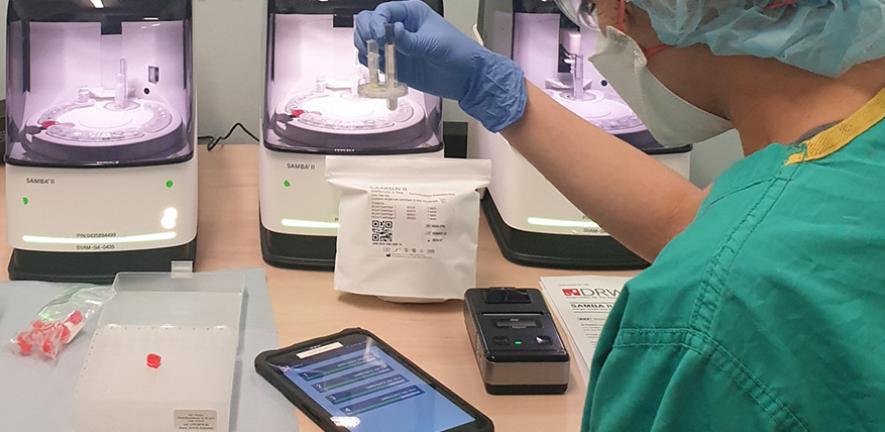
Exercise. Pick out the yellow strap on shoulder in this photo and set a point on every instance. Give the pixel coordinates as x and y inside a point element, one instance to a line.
<point>838,136</point>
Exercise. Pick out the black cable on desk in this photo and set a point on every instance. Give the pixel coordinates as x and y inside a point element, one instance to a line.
<point>215,141</point>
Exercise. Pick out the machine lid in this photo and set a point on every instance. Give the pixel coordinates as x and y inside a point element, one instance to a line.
<point>98,10</point>
<point>535,6</point>
<point>520,6</point>
<point>329,7</point>
<point>579,12</point>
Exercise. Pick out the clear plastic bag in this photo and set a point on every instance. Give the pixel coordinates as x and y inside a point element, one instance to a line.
<point>60,321</point>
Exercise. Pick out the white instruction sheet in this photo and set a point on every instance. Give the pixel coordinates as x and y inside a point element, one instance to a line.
<point>582,304</point>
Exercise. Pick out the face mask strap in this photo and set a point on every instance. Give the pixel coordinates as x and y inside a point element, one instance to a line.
<point>620,24</point>
<point>653,51</point>
<point>781,4</point>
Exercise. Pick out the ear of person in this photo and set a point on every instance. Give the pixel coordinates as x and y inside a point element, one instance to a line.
<point>637,24</point>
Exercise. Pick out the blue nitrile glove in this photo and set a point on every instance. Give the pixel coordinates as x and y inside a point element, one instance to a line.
<point>435,57</point>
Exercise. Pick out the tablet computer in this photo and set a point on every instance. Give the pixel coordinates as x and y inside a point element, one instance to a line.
<point>354,382</point>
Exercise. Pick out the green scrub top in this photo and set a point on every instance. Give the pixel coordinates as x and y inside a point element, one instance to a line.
<point>768,312</point>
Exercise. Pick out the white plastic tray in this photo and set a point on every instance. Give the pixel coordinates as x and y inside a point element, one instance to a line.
<point>192,322</point>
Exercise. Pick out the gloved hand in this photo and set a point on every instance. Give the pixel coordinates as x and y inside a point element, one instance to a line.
<point>436,58</point>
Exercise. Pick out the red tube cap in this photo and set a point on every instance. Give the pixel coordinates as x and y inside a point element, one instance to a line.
<point>154,361</point>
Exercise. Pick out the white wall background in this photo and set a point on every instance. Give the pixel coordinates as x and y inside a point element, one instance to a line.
<point>229,67</point>
<point>229,64</point>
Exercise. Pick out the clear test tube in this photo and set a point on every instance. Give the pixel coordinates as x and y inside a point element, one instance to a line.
<point>373,60</point>
<point>573,42</point>
<point>121,91</point>
<point>390,63</point>
<point>578,77</point>
<point>390,89</point>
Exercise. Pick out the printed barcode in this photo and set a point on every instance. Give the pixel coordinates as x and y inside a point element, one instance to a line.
<point>382,231</point>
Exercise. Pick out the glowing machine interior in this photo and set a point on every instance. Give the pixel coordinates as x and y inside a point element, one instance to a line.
<point>102,174</point>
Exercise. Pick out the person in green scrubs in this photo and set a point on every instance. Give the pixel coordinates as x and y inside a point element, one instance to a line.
<point>764,306</point>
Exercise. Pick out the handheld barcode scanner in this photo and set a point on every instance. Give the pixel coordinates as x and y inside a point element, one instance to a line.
<point>515,341</point>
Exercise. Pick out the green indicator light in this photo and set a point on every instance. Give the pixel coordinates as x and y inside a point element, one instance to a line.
<point>169,184</point>
<point>517,343</point>
<point>25,201</point>
<point>286,183</point>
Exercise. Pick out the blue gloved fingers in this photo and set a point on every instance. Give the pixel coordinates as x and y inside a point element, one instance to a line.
<point>404,39</point>
<point>407,16</point>
<point>368,26</point>
<point>407,42</point>
<point>424,45</point>
<point>363,31</point>
<point>359,43</point>
<point>411,13</point>
<point>410,72</point>
<point>377,24</point>
<point>436,58</point>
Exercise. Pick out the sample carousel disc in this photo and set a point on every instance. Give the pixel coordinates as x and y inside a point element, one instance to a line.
<point>610,115</point>
<point>336,120</point>
<point>96,129</point>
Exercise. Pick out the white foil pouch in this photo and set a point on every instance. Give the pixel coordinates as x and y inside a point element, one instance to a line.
<point>408,226</point>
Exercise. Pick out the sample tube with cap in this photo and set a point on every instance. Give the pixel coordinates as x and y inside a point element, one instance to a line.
<point>578,77</point>
<point>573,43</point>
<point>154,361</point>
<point>390,63</point>
<point>121,92</point>
<point>374,62</point>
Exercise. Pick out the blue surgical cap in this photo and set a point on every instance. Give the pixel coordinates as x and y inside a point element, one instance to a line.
<point>826,37</point>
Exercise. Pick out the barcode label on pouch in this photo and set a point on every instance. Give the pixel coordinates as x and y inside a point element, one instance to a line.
<point>196,420</point>
<point>382,231</point>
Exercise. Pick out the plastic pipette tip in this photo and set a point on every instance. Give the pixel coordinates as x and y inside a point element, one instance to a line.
<point>154,361</point>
